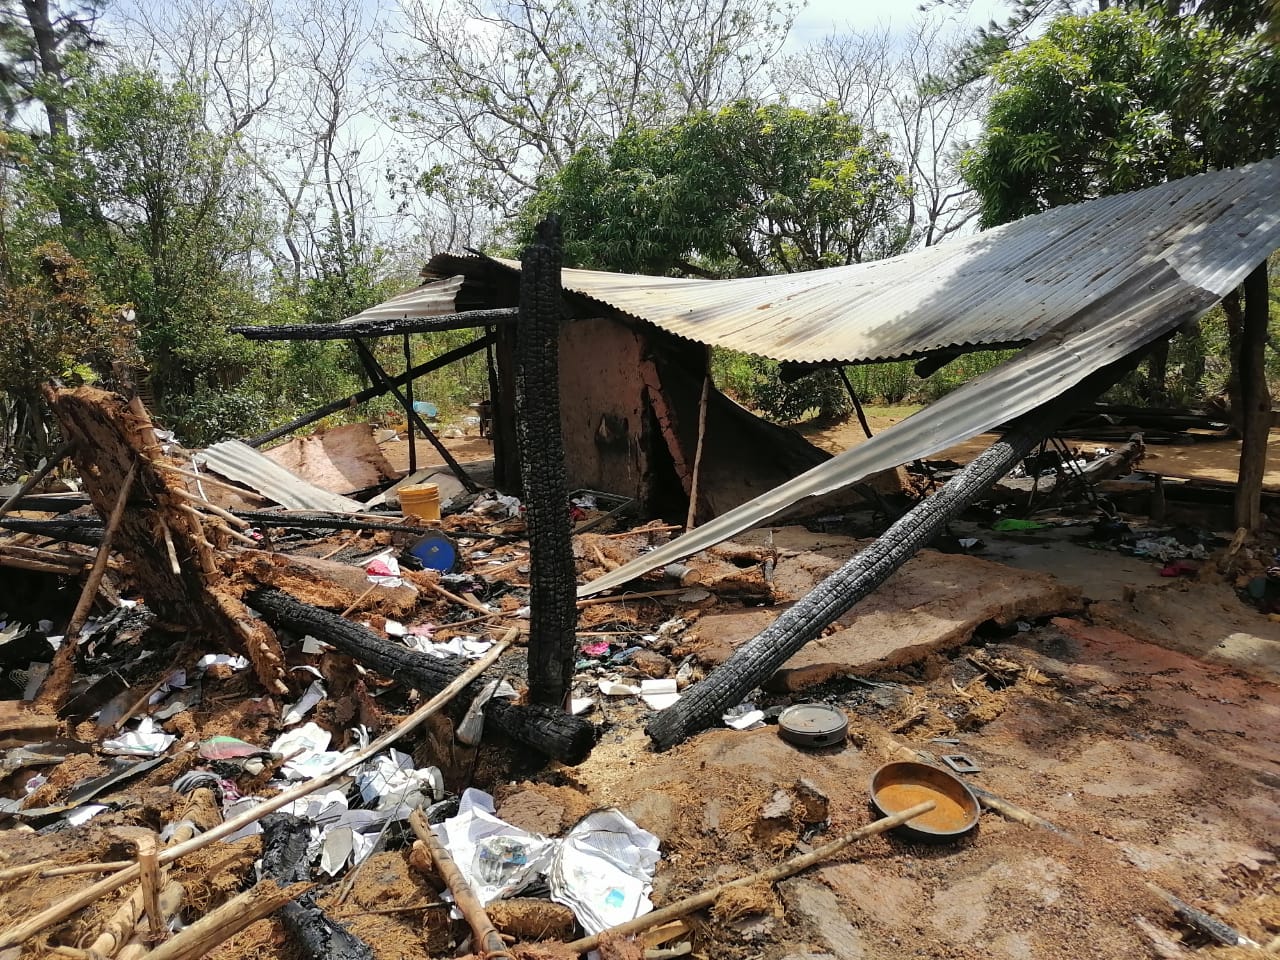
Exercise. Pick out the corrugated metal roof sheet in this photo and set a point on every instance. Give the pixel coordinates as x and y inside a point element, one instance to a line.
<point>434,299</point>
<point>1004,286</point>
<point>1148,290</point>
<point>239,462</point>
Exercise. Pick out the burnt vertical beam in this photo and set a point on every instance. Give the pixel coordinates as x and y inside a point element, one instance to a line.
<point>408,394</point>
<point>553,614</point>
<point>1255,397</point>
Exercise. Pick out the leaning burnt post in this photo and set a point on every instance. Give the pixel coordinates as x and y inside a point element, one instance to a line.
<point>757,659</point>
<point>553,613</point>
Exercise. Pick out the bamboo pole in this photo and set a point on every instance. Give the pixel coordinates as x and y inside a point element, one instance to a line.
<point>229,919</point>
<point>21,932</point>
<point>788,868</point>
<point>55,458</point>
<point>170,902</point>
<point>59,677</point>
<point>149,880</point>
<point>484,936</point>
<point>621,598</point>
<point>697,450</point>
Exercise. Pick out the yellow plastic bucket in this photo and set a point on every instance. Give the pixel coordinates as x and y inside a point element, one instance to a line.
<point>421,501</point>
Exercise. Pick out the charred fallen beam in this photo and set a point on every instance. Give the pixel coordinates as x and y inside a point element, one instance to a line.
<point>324,521</point>
<point>757,660</point>
<point>284,859</point>
<point>86,531</point>
<point>379,328</point>
<point>553,616</point>
<point>545,729</point>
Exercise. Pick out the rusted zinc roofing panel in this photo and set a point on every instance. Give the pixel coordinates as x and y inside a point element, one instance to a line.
<point>1196,261</point>
<point>1001,287</point>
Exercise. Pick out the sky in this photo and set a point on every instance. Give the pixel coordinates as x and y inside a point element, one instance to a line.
<point>819,16</point>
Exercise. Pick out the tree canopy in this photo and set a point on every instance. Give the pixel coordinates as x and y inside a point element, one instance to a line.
<point>746,190</point>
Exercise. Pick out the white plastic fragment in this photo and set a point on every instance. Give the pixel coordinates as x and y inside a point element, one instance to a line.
<point>308,745</point>
<point>612,688</point>
<point>145,740</point>
<point>580,705</point>
<point>311,645</point>
<point>236,663</point>
<point>294,713</point>
<point>659,694</point>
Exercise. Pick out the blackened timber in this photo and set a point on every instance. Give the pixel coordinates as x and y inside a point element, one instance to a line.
<point>411,416</point>
<point>369,393</point>
<point>756,660</point>
<point>379,328</point>
<point>553,612</point>
<point>551,732</point>
<point>284,858</point>
<point>86,531</point>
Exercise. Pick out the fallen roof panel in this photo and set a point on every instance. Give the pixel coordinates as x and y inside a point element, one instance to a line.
<point>1143,298</point>
<point>239,462</point>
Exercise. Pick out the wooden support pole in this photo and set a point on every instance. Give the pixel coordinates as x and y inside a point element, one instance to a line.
<point>21,932</point>
<point>60,671</point>
<point>697,450</point>
<point>369,393</point>
<point>857,403</point>
<point>55,458</point>
<point>1255,398</point>
<point>408,395</point>
<point>484,936</point>
<point>788,868</point>
<point>149,879</point>
<point>380,376</point>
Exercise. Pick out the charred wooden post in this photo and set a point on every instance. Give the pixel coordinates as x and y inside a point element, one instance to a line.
<point>284,859</point>
<point>757,660</point>
<point>553,589</point>
<point>1255,400</point>
<point>548,730</point>
<point>111,435</point>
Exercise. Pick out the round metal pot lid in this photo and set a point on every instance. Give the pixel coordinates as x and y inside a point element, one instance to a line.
<point>813,724</point>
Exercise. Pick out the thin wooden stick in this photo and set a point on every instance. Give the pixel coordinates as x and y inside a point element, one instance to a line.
<point>621,598</point>
<point>203,478</point>
<point>55,458</point>
<point>635,531</point>
<point>697,450</point>
<point>21,932</point>
<point>76,868</point>
<point>229,919</point>
<point>170,902</point>
<point>457,599</point>
<point>484,935</point>
<point>149,880</point>
<point>170,549</point>
<point>59,676</point>
<point>359,600</point>
<point>206,504</point>
<point>682,908</point>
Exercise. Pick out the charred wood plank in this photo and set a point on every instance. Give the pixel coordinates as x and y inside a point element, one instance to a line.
<point>379,328</point>
<point>553,617</point>
<point>86,531</point>
<point>545,729</point>
<point>757,660</point>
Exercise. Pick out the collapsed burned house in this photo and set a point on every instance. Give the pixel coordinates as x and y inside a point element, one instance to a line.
<point>1084,290</point>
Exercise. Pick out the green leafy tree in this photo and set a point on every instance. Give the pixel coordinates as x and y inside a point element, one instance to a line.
<point>1114,102</point>
<point>742,191</point>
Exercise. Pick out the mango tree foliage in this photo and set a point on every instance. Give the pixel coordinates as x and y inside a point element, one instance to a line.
<point>745,190</point>
<point>1115,101</point>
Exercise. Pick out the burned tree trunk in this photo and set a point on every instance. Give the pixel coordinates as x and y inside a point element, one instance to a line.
<point>548,730</point>
<point>757,660</point>
<point>552,596</point>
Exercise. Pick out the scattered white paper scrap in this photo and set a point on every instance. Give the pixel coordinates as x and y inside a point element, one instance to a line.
<point>309,747</point>
<point>295,712</point>
<point>85,814</point>
<point>145,740</point>
<point>603,870</point>
<point>496,858</point>
<point>580,705</point>
<point>748,720</point>
<point>220,660</point>
<point>311,645</point>
<point>394,628</point>
<point>659,694</point>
